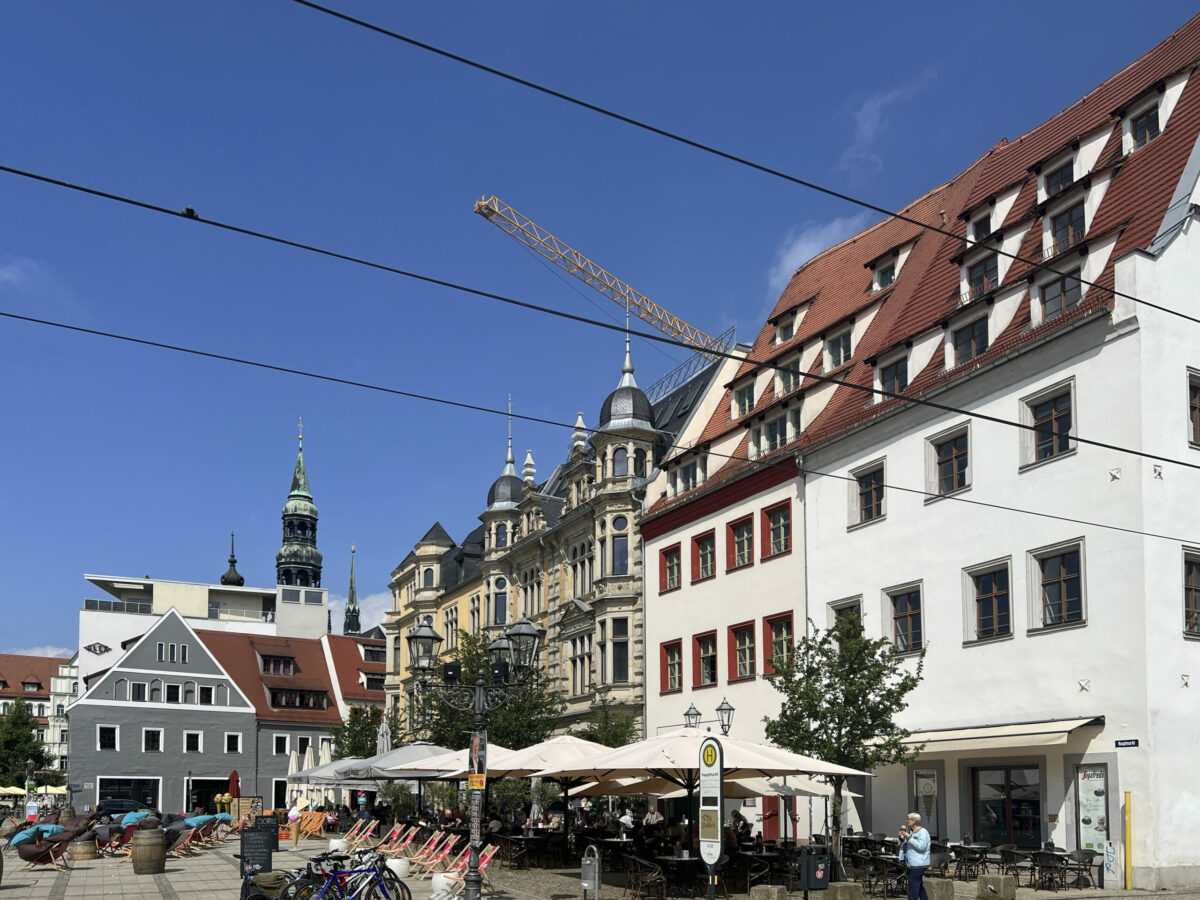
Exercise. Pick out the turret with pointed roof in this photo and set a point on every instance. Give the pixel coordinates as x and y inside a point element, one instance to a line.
<point>350,623</point>
<point>298,560</point>
<point>233,576</point>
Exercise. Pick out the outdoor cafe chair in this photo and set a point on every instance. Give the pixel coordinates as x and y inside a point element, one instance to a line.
<point>702,878</point>
<point>889,875</point>
<point>646,879</point>
<point>753,869</point>
<point>1078,867</point>
<point>44,853</point>
<point>1016,863</point>
<point>1051,869</point>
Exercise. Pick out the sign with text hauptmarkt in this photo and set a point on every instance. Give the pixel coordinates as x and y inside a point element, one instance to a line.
<point>712,767</point>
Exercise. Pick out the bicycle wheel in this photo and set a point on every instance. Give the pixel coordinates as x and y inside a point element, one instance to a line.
<point>396,889</point>
<point>303,888</point>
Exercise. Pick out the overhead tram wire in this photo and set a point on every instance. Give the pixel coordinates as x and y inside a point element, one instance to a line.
<point>191,216</point>
<point>711,150</point>
<point>784,459</point>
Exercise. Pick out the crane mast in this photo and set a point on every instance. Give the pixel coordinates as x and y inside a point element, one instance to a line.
<point>575,263</point>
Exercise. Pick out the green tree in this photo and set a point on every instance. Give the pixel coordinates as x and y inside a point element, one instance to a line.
<point>609,726</point>
<point>526,717</point>
<point>19,744</point>
<point>841,691</point>
<point>357,735</point>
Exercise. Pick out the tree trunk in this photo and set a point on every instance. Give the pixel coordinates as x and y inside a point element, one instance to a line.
<point>835,830</point>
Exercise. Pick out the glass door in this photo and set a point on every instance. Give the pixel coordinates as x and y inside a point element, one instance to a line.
<point>1007,805</point>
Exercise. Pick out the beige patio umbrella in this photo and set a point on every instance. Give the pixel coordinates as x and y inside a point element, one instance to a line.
<point>450,766</point>
<point>309,762</point>
<point>293,768</point>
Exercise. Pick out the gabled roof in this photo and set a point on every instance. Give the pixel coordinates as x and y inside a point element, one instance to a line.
<point>348,663</point>
<point>17,669</point>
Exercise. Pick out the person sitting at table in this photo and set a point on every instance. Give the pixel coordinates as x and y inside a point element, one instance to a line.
<point>652,817</point>
<point>626,820</point>
<point>520,821</point>
<point>447,818</point>
<point>741,826</point>
<point>554,822</point>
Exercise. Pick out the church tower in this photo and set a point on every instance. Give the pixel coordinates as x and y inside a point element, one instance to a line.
<point>298,561</point>
<point>350,622</point>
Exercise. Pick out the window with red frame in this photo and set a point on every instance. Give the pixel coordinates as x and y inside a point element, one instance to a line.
<point>741,652</point>
<point>739,543</point>
<point>670,676</point>
<point>777,529</point>
<point>669,564</point>
<point>704,659</point>
<point>704,556</point>
<point>778,640</point>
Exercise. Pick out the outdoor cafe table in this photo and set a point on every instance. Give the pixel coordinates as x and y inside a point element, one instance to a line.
<point>681,873</point>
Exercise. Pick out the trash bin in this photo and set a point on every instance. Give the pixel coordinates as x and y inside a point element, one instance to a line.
<point>814,872</point>
<point>589,870</point>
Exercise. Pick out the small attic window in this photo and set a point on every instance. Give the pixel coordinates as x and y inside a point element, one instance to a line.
<point>1144,126</point>
<point>743,401</point>
<point>374,654</point>
<point>30,686</point>
<point>884,276</point>
<point>785,330</point>
<point>1060,179</point>
<point>981,227</point>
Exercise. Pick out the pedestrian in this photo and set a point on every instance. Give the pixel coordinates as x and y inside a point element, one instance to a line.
<point>914,851</point>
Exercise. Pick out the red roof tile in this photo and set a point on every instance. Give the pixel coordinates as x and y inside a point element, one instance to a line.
<point>348,662</point>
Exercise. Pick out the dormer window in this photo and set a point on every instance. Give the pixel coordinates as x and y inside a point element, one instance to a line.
<point>1144,127</point>
<point>884,276</point>
<point>981,227</point>
<point>277,665</point>
<point>689,476</point>
<point>893,377</point>
<point>30,686</point>
<point>789,375</point>
<point>743,400</point>
<point>837,350</point>
<point>1060,295</point>
<point>768,437</point>
<point>785,330</point>
<point>374,654</point>
<point>982,276</point>
<point>1066,229</point>
<point>1060,179</point>
<point>970,341</point>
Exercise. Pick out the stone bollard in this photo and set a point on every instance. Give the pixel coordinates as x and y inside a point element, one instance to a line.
<point>768,892</point>
<point>844,890</point>
<point>996,887</point>
<point>939,888</point>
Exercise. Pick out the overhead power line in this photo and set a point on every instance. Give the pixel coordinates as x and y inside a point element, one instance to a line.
<point>711,150</point>
<point>785,459</point>
<point>191,215</point>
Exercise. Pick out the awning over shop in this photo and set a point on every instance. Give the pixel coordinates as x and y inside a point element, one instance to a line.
<point>1044,733</point>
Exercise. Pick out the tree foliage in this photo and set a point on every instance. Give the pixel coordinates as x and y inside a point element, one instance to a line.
<point>358,734</point>
<point>526,717</point>
<point>841,692</point>
<point>19,744</point>
<point>609,726</point>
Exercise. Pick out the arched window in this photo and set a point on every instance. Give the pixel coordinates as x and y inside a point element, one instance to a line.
<point>501,535</point>
<point>501,604</point>
<point>620,462</point>
<point>639,463</point>
<point>428,578</point>
<point>620,547</point>
<point>291,529</point>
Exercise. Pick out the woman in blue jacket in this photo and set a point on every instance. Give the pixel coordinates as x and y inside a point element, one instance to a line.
<point>914,850</point>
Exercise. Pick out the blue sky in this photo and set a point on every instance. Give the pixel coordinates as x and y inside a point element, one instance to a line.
<point>126,460</point>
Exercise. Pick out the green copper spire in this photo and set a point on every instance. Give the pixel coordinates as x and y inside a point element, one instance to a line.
<point>298,561</point>
<point>350,623</point>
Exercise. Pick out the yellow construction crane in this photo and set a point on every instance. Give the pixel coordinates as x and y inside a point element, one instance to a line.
<point>571,260</point>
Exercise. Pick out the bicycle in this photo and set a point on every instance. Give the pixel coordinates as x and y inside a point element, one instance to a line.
<point>369,879</point>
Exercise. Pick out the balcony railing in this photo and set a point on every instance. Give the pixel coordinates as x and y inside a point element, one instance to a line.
<point>976,291</point>
<point>140,607</point>
<point>1059,247</point>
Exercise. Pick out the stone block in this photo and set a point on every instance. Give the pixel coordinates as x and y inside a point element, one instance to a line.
<point>996,887</point>
<point>939,888</point>
<point>844,890</point>
<point>768,892</point>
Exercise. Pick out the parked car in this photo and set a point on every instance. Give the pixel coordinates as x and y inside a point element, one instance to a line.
<point>108,810</point>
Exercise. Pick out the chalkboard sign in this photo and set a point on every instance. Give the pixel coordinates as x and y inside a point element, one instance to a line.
<point>268,825</point>
<point>256,850</point>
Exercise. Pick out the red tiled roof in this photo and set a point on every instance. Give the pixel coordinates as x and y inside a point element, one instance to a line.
<point>926,291</point>
<point>236,653</point>
<point>17,669</point>
<point>348,661</point>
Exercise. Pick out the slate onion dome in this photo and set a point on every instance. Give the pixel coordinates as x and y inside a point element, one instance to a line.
<point>627,406</point>
<point>505,492</point>
<point>233,577</point>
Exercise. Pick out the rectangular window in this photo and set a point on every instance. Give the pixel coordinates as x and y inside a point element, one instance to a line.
<point>893,377</point>
<point>743,401</point>
<point>1066,229</point>
<point>982,227</point>
<point>993,616</point>
<point>183,653</point>
<point>1145,127</point>
<point>704,553</point>
<point>704,655</point>
<point>1060,295</point>
<point>671,662</point>
<point>374,682</point>
<point>106,737</point>
<point>206,696</point>
<point>906,620</point>
<point>785,330</point>
<point>837,350</point>
<point>302,745</point>
<point>789,375</point>
<point>1194,408</point>
<point>193,742</point>
<point>777,633</point>
<point>884,276</point>
<point>982,276</point>
<point>1060,179</point>
<point>1061,588</point>
<point>233,742</point>
<point>1191,595</point>
<point>277,665</point>
<point>172,693</point>
<point>870,495</point>
<point>137,692</point>
<point>952,463</point>
<point>774,434</point>
<point>777,529</point>
<point>668,569</point>
<point>281,745</point>
<point>171,654</point>
<point>161,652</point>
<point>739,541</point>
<point>742,654</point>
<point>1051,426</point>
<point>970,341</point>
<point>620,554</point>
<point>620,650</point>
<point>152,740</point>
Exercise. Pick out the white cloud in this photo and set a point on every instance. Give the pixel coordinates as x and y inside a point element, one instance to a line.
<point>870,120</point>
<point>805,242</point>
<point>371,610</point>
<point>44,650</point>
<point>18,272</point>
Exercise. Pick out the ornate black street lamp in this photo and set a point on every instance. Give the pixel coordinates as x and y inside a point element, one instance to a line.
<point>513,657</point>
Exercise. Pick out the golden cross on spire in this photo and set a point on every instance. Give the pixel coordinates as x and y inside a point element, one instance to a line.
<point>301,427</point>
<point>352,548</point>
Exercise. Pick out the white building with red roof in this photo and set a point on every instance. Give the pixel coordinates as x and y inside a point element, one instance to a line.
<point>974,425</point>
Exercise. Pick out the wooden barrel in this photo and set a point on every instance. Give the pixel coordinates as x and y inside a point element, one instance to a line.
<point>83,849</point>
<point>149,852</point>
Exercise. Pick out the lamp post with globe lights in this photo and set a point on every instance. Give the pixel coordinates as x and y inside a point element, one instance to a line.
<point>512,657</point>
